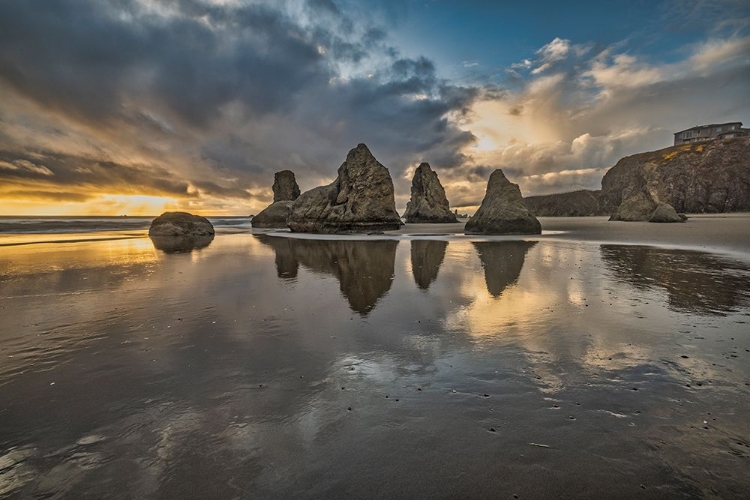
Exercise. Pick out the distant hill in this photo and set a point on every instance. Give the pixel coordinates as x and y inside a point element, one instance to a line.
<point>574,204</point>
<point>709,177</point>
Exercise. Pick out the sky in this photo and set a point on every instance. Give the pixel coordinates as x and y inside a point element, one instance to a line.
<point>140,106</point>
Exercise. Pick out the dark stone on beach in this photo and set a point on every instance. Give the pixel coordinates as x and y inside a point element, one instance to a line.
<point>285,191</point>
<point>502,210</point>
<point>180,224</point>
<point>665,213</point>
<point>360,200</point>
<point>428,203</point>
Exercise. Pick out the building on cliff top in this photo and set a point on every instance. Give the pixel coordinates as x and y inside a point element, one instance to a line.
<point>703,133</point>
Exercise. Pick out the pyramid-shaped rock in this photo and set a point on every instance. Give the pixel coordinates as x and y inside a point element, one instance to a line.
<point>428,202</point>
<point>361,199</point>
<point>502,210</point>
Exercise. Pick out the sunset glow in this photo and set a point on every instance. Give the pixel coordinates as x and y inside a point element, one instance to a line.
<point>183,109</point>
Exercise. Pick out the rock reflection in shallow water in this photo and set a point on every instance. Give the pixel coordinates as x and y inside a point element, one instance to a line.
<point>181,244</point>
<point>287,264</point>
<point>695,282</point>
<point>237,383</point>
<point>502,262</point>
<point>426,258</point>
<point>364,268</point>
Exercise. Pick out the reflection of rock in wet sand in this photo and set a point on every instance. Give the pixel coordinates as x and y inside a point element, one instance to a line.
<point>364,268</point>
<point>695,282</point>
<point>502,262</point>
<point>286,262</point>
<point>181,244</point>
<point>426,257</point>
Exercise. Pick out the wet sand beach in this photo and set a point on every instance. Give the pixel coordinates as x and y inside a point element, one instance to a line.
<point>598,360</point>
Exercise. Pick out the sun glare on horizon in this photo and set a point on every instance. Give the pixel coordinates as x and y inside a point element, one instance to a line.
<point>104,205</point>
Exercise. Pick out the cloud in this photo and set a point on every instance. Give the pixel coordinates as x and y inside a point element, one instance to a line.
<point>77,173</point>
<point>555,50</point>
<point>201,99</point>
<point>200,102</point>
<point>569,124</point>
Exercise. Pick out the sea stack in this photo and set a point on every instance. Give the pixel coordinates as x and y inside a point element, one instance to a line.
<point>428,202</point>
<point>285,191</point>
<point>180,224</point>
<point>502,210</point>
<point>360,200</point>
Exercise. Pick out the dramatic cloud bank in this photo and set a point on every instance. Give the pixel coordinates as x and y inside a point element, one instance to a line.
<point>137,106</point>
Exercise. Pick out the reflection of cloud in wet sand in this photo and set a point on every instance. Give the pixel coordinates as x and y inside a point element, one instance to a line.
<point>695,282</point>
<point>502,262</point>
<point>426,258</point>
<point>364,268</point>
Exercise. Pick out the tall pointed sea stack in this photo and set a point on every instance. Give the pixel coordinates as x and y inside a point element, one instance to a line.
<point>502,210</point>
<point>285,191</point>
<point>428,202</point>
<point>360,200</point>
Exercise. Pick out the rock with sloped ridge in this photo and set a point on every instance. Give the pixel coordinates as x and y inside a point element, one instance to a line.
<point>361,199</point>
<point>502,210</point>
<point>428,202</point>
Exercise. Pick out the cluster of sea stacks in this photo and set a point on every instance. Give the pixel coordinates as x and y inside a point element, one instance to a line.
<point>361,200</point>
<point>655,186</point>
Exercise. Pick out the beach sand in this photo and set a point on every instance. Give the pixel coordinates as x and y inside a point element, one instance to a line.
<point>598,360</point>
<point>719,233</point>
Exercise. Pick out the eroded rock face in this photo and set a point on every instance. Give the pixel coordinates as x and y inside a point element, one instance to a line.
<point>285,186</point>
<point>180,224</point>
<point>361,199</point>
<point>502,210</point>
<point>285,191</point>
<point>428,202</point>
<point>707,177</point>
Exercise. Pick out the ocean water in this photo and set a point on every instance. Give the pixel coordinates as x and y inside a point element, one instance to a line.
<point>60,225</point>
<point>262,366</point>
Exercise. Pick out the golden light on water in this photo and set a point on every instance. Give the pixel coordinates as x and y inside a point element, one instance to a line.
<point>95,204</point>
